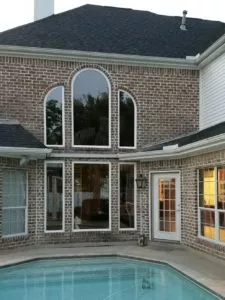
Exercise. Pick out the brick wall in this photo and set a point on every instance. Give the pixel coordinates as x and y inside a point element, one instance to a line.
<point>189,200</point>
<point>167,106</point>
<point>167,99</point>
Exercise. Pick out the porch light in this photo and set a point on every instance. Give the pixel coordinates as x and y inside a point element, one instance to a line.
<point>141,182</point>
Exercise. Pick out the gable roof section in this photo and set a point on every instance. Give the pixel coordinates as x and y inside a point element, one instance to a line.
<point>14,135</point>
<point>116,30</point>
<point>191,138</point>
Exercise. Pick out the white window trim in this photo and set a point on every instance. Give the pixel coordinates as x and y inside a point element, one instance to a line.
<point>135,197</point>
<point>26,209</point>
<point>135,121</point>
<point>110,200</point>
<point>63,119</point>
<point>72,116</point>
<point>215,210</point>
<point>49,162</point>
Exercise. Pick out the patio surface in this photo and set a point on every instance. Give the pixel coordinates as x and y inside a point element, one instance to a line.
<point>204,268</point>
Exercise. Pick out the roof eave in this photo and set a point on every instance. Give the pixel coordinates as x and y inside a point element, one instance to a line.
<point>205,146</point>
<point>18,152</point>
<point>212,52</point>
<point>112,58</point>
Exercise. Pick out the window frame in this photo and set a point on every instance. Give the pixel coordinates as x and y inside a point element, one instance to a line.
<point>135,196</point>
<point>25,207</point>
<point>110,195</point>
<point>49,162</point>
<point>215,210</point>
<point>135,121</point>
<point>109,110</point>
<point>63,118</point>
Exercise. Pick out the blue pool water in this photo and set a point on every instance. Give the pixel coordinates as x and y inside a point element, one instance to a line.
<point>105,278</point>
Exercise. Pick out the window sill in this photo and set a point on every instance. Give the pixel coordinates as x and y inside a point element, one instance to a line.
<point>22,236</point>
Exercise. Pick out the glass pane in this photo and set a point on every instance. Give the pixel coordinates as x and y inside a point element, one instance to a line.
<point>13,221</point>
<point>54,103</point>
<point>207,188</point>
<point>127,210</point>
<point>54,213</point>
<point>127,120</point>
<point>91,196</point>
<point>208,224</point>
<point>167,205</point>
<point>91,109</point>
<point>222,226</point>
<point>14,188</point>
<point>221,188</point>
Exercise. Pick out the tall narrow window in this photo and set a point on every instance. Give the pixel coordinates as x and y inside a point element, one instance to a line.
<point>14,218</point>
<point>127,120</point>
<point>54,207</point>
<point>127,196</point>
<point>54,107</point>
<point>91,199</point>
<point>91,109</point>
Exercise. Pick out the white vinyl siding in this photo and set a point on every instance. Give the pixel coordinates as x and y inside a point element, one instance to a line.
<point>212,93</point>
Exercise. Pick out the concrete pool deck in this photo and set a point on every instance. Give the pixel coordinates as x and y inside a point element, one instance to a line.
<point>201,267</point>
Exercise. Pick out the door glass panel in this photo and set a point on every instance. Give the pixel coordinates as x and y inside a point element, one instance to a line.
<point>167,205</point>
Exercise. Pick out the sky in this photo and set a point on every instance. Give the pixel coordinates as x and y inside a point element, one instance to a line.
<point>18,12</point>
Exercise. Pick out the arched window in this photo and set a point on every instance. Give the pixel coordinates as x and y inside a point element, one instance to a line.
<point>91,109</point>
<point>127,120</point>
<point>54,117</point>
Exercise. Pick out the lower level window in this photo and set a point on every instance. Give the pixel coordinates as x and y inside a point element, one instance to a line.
<point>54,197</point>
<point>91,199</point>
<point>127,196</point>
<point>14,210</point>
<point>212,204</point>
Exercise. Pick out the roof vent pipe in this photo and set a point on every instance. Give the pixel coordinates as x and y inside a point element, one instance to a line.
<point>183,23</point>
<point>43,9</point>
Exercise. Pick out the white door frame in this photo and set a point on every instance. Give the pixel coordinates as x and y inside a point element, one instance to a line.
<point>151,202</point>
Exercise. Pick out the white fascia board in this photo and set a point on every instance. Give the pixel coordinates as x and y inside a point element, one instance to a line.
<point>207,145</point>
<point>211,53</point>
<point>86,56</point>
<point>84,155</point>
<point>20,152</point>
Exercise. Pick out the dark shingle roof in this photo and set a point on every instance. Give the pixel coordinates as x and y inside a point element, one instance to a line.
<point>191,138</point>
<point>117,30</point>
<point>14,135</point>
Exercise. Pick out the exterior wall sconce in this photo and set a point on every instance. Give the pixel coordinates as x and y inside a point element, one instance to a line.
<point>141,182</point>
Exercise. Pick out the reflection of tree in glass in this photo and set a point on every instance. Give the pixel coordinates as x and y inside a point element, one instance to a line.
<point>91,119</point>
<point>126,120</point>
<point>54,122</point>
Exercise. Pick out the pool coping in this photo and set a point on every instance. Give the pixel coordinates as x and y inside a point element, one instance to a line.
<point>166,263</point>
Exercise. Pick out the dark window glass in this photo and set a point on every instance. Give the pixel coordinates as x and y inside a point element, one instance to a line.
<point>54,197</point>
<point>208,224</point>
<point>91,109</point>
<point>54,116</point>
<point>127,201</point>
<point>127,120</point>
<point>91,196</point>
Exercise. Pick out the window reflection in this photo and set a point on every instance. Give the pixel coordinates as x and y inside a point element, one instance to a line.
<point>91,196</point>
<point>54,206</point>
<point>54,117</point>
<point>91,109</point>
<point>127,196</point>
<point>127,120</point>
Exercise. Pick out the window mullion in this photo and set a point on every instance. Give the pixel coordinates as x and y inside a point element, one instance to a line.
<point>216,205</point>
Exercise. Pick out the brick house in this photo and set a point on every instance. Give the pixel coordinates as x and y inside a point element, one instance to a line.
<point>97,97</point>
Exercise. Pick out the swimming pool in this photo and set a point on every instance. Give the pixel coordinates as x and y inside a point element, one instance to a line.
<point>102,278</point>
